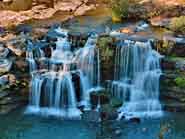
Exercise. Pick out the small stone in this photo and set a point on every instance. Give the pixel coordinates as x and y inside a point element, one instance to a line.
<point>144,129</point>
<point>118,132</point>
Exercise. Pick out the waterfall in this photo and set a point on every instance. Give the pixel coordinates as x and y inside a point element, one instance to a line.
<point>31,61</point>
<point>53,91</point>
<point>53,94</point>
<point>137,73</point>
<point>87,60</point>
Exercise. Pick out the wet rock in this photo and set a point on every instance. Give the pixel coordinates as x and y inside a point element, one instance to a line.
<point>4,80</point>
<point>160,21</point>
<point>118,132</point>
<point>23,28</point>
<point>11,79</point>
<point>5,65</point>
<point>167,64</point>
<point>173,106</point>
<point>21,64</point>
<point>100,97</point>
<point>176,40</point>
<point>17,46</point>
<point>3,51</point>
<point>127,30</point>
<point>135,120</point>
<point>108,113</point>
<point>91,116</point>
<point>142,26</point>
<point>2,31</point>
<point>115,102</point>
<point>5,109</point>
<point>39,32</point>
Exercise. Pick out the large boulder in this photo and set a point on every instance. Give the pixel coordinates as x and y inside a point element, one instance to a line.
<point>16,5</point>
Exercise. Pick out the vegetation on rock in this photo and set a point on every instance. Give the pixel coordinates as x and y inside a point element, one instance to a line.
<point>178,25</point>
<point>125,9</point>
<point>180,82</point>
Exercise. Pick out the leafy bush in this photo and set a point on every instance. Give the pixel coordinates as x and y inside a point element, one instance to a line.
<point>126,8</point>
<point>104,47</point>
<point>178,25</point>
<point>120,8</point>
<point>180,82</point>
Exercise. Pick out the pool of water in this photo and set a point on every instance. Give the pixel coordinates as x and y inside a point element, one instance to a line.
<point>19,126</point>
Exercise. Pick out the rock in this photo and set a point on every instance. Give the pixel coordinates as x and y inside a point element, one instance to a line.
<point>118,132</point>
<point>4,80</point>
<point>23,28</point>
<point>16,5</point>
<point>135,120</point>
<point>91,116</point>
<point>48,3</point>
<point>101,97</point>
<point>173,106</point>
<point>142,26</point>
<point>116,103</point>
<point>167,64</point>
<point>5,65</point>
<point>3,51</point>
<point>21,64</point>
<point>144,129</point>
<point>8,1</point>
<point>108,113</point>
<point>10,18</point>
<point>176,40</point>
<point>160,21</point>
<point>2,31</point>
<point>11,79</point>
<point>17,46</point>
<point>83,9</point>
<point>127,30</point>
<point>68,6</point>
<point>39,32</point>
<point>5,109</point>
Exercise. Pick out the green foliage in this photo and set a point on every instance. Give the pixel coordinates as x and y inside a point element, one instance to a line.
<point>178,25</point>
<point>120,8</point>
<point>116,103</point>
<point>180,82</point>
<point>104,46</point>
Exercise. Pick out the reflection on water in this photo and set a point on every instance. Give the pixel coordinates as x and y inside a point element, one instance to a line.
<point>18,126</point>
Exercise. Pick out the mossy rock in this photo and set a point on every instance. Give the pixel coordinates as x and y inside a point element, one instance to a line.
<point>102,97</point>
<point>107,112</point>
<point>116,103</point>
<point>180,82</point>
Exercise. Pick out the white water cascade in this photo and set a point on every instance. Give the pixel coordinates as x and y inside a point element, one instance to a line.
<point>137,73</point>
<point>53,91</point>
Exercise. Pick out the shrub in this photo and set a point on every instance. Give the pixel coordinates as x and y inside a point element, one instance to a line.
<point>120,8</point>
<point>125,9</point>
<point>180,82</point>
<point>178,25</point>
<point>104,46</point>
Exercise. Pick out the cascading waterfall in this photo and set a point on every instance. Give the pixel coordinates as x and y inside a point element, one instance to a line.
<point>53,91</point>
<point>137,73</point>
<point>88,61</point>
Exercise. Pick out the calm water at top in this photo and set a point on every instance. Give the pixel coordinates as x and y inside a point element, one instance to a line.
<point>19,126</point>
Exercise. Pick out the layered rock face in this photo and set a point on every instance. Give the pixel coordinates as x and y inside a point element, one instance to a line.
<point>16,5</point>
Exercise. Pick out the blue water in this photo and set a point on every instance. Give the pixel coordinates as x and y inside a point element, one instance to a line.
<point>19,126</point>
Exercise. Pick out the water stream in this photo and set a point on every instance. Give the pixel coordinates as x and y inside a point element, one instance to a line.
<point>137,73</point>
<point>53,91</point>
